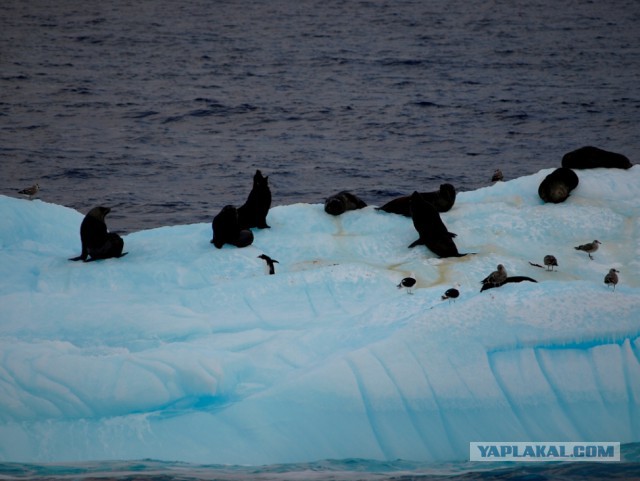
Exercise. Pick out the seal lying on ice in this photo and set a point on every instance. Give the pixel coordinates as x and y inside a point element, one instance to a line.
<point>341,202</point>
<point>592,158</point>
<point>557,186</point>
<point>442,199</point>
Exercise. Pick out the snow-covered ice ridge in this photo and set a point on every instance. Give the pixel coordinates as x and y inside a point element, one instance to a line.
<point>181,351</point>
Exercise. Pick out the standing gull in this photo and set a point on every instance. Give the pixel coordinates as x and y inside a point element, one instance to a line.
<point>496,278</point>
<point>589,248</point>
<point>550,261</point>
<point>611,279</point>
<point>30,191</point>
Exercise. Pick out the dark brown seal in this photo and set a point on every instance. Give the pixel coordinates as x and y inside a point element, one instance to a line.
<point>592,158</point>
<point>97,241</point>
<point>432,231</point>
<point>557,186</point>
<point>442,199</point>
<point>489,285</point>
<point>226,229</point>
<point>341,202</point>
<point>253,213</point>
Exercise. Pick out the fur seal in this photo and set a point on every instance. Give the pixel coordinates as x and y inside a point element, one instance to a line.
<point>341,202</point>
<point>433,233</point>
<point>253,213</point>
<point>226,229</point>
<point>97,242</point>
<point>592,158</point>
<point>442,199</point>
<point>557,186</point>
<point>506,281</point>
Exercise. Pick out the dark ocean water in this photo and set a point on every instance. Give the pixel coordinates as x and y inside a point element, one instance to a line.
<point>163,110</point>
<point>333,470</point>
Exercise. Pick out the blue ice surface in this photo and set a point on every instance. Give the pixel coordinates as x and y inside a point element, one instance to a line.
<point>183,352</point>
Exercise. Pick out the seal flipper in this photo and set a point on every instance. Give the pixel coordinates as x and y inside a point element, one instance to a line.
<point>82,257</point>
<point>417,242</point>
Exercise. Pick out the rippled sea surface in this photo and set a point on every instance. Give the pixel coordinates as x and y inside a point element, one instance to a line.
<point>333,470</point>
<point>163,110</point>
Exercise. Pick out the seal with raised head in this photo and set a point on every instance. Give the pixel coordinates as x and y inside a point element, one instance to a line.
<point>442,199</point>
<point>226,229</point>
<point>97,241</point>
<point>253,213</point>
<point>432,231</point>
<point>592,158</point>
<point>341,202</point>
<point>557,186</point>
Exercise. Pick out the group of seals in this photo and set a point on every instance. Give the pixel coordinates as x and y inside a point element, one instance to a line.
<point>423,208</point>
<point>232,226</point>
<point>557,186</point>
<point>97,241</point>
<point>442,199</point>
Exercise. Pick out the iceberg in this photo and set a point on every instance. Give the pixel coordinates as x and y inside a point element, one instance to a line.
<point>180,351</point>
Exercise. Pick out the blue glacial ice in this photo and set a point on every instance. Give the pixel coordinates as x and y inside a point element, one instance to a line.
<point>180,351</point>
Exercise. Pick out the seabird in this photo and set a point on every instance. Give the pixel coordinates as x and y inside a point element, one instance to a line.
<point>270,262</point>
<point>497,176</point>
<point>407,282</point>
<point>611,278</point>
<point>452,293</point>
<point>589,248</point>
<point>30,191</point>
<point>497,277</point>
<point>550,261</point>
